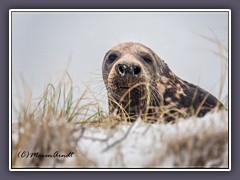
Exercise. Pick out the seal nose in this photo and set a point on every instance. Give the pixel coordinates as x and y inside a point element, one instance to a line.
<point>124,69</point>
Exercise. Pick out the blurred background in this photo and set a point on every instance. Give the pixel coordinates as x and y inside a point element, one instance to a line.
<point>45,44</point>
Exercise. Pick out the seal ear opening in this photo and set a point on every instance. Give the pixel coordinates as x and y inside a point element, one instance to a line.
<point>162,67</point>
<point>159,61</point>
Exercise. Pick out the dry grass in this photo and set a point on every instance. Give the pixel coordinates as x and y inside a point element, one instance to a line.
<point>206,147</point>
<point>51,124</point>
<point>222,53</point>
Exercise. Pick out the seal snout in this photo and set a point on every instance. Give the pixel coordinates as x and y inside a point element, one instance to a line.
<point>131,69</point>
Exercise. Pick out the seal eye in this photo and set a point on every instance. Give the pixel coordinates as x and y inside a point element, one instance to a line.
<point>112,57</point>
<point>147,59</point>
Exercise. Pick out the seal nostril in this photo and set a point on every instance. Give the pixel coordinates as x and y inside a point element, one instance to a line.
<point>121,69</point>
<point>137,70</point>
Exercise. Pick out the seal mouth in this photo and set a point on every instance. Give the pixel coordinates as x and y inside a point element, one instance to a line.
<point>124,87</point>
